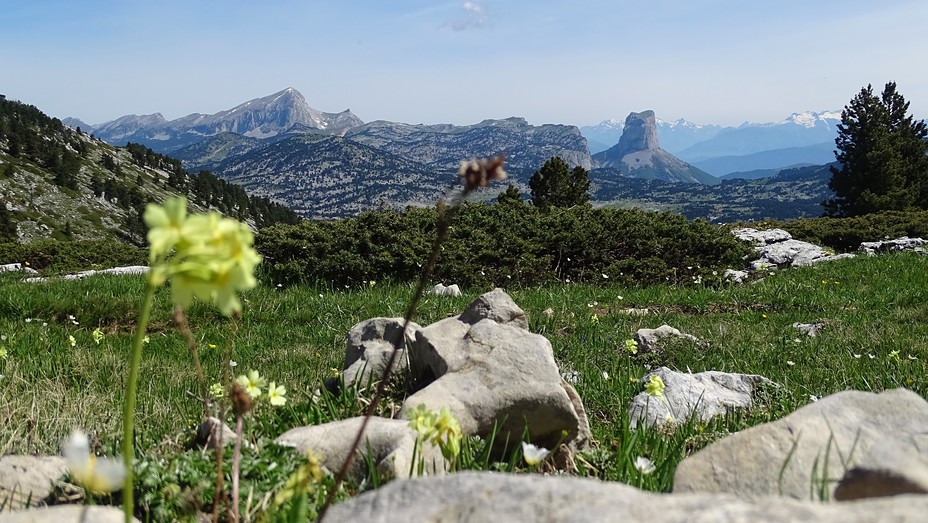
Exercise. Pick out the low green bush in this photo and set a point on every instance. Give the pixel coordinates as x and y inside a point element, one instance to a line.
<point>507,244</point>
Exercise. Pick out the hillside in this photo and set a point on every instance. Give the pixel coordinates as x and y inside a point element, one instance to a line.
<point>58,182</point>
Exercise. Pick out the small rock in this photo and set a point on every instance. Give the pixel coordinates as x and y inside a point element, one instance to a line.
<point>704,394</point>
<point>736,276</point>
<point>761,238</point>
<point>648,338</point>
<point>11,267</point>
<point>211,430</point>
<point>451,290</point>
<point>809,329</point>
<point>390,442</point>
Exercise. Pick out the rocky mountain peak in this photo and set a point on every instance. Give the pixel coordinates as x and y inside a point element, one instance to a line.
<point>640,133</point>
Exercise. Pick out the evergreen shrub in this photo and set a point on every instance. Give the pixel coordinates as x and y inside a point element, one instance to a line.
<point>507,244</point>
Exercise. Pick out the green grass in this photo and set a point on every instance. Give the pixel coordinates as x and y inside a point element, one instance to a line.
<point>296,336</point>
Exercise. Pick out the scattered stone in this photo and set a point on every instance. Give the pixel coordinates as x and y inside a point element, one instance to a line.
<point>209,433</point>
<point>451,290</point>
<point>370,344</point>
<point>490,372</point>
<point>804,454</point>
<point>736,276</point>
<point>809,329</point>
<point>488,496</point>
<point>132,269</point>
<point>648,338</point>
<point>27,480</point>
<point>11,267</point>
<point>548,312</point>
<point>899,244</point>
<point>67,514</point>
<point>390,442</point>
<point>704,394</point>
<point>632,311</point>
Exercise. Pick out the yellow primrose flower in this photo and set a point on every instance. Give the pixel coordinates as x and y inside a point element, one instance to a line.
<point>95,474</point>
<point>164,225</point>
<point>275,394</point>
<point>655,386</point>
<point>71,341</point>
<point>631,346</point>
<point>211,345</point>
<point>3,353</point>
<point>146,340</point>
<point>252,383</point>
<point>97,335</point>
<point>216,390</point>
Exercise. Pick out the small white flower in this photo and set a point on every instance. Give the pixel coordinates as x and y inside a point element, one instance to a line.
<point>813,398</point>
<point>233,363</point>
<point>28,320</point>
<point>2,337</point>
<point>95,474</point>
<point>797,340</point>
<point>534,455</point>
<point>871,356</point>
<point>644,465</point>
<point>913,357</point>
<point>605,276</point>
<point>279,285</point>
<point>856,356</point>
<point>605,375</point>
<point>621,298</point>
<point>790,363</point>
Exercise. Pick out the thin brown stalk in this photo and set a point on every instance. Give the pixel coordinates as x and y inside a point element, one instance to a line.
<point>180,319</point>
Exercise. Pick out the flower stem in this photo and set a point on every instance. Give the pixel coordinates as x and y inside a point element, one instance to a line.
<point>128,415</point>
<point>236,456</point>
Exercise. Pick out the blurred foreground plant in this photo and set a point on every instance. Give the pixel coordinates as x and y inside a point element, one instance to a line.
<point>205,256</point>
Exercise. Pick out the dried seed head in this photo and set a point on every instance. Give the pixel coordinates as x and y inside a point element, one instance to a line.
<point>478,173</point>
<point>241,401</point>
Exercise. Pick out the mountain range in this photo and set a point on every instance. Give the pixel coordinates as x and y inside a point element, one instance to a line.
<point>327,165</point>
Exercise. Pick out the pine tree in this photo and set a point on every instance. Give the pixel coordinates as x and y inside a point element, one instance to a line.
<point>555,184</point>
<point>882,156</point>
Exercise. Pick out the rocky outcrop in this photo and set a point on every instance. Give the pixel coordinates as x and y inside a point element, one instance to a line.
<point>638,155</point>
<point>839,439</point>
<point>703,395</point>
<point>488,496</point>
<point>648,339</point>
<point>899,244</point>
<point>778,250</point>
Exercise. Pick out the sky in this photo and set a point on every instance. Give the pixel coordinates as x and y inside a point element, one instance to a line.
<point>572,62</point>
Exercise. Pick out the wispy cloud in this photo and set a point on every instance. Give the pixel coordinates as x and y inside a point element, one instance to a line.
<point>474,17</point>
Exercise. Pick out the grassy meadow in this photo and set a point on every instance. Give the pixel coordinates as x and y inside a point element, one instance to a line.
<point>56,377</point>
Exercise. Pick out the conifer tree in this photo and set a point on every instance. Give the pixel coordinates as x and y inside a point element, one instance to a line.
<point>882,156</point>
<point>555,184</point>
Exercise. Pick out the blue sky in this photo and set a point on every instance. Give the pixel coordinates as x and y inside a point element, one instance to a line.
<point>572,61</point>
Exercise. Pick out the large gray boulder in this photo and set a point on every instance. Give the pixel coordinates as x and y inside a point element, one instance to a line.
<point>704,394</point>
<point>389,443</point>
<point>28,479</point>
<point>805,454</point>
<point>368,350</point>
<point>487,496</point>
<point>490,371</point>
<point>761,237</point>
<point>778,249</point>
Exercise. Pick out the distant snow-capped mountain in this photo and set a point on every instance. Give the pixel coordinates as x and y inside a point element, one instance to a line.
<point>259,118</point>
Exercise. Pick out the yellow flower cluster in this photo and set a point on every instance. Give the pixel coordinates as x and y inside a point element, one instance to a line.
<point>302,481</point>
<point>213,256</point>
<point>438,428</point>
<point>631,346</point>
<point>655,386</point>
<point>253,382</point>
